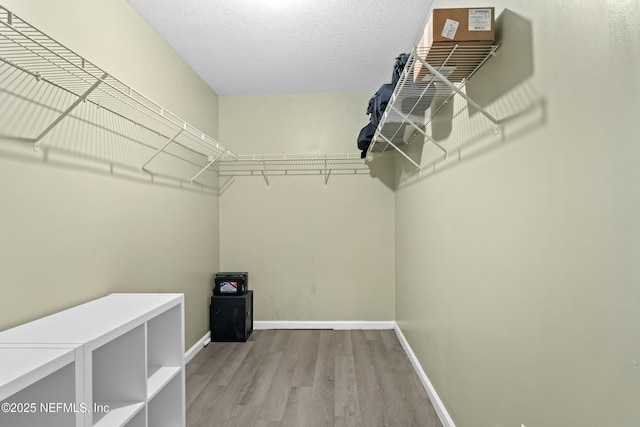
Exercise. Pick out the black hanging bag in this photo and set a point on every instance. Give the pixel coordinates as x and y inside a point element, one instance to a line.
<point>398,67</point>
<point>378,103</point>
<point>365,136</point>
<point>364,139</point>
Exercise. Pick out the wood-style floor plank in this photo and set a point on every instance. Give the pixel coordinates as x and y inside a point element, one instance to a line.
<point>322,406</point>
<point>275,401</point>
<point>372,402</point>
<point>307,378</point>
<point>347,408</point>
<point>296,414</point>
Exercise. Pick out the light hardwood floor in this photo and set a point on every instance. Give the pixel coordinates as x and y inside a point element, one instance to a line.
<point>308,378</point>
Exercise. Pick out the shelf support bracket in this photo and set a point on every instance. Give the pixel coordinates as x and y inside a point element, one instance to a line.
<point>161,149</point>
<point>326,177</point>
<point>65,113</point>
<point>400,151</point>
<point>264,174</point>
<point>212,160</point>
<point>222,188</point>
<point>419,129</point>
<point>327,172</point>
<point>457,90</point>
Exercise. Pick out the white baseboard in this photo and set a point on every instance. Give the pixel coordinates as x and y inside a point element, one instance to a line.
<point>191,353</point>
<point>444,416</point>
<point>264,325</point>
<point>342,325</point>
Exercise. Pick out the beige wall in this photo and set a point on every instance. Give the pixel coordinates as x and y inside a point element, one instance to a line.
<point>71,234</point>
<point>312,253</point>
<point>517,267</point>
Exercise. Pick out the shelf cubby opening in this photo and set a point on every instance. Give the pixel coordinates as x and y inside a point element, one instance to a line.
<point>164,342</point>
<point>165,409</point>
<point>119,378</point>
<point>52,402</point>
<point>139,420</point>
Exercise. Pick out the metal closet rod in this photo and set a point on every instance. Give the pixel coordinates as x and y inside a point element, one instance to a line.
<point>266,165</point>
<point>316,161</point>
<point>301,156</point>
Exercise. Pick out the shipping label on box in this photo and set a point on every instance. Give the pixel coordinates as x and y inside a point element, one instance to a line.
<point>480,19</point>
<point>449,30</point>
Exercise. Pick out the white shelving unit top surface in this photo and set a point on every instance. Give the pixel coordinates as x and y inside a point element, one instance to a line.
<point>21,367</point>
<point>96,318</point>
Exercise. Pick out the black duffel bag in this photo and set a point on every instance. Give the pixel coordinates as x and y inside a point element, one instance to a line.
<point>398,67</point>
<point>378,103</point>
<point>364,139</point>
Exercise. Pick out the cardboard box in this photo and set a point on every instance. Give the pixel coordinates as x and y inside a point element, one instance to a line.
<point>461,25</point>
<point>456,40</point>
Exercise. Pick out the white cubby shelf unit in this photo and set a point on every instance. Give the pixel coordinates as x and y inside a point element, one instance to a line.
<point>114,361</point>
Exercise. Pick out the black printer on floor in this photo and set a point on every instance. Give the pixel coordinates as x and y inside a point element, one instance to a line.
<point>231,283</point>
<point>231,309</point>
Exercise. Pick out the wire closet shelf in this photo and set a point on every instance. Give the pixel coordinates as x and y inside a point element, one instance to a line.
<point>266,165</point>
<point>432,76</point>
<point>29,59</point>
<point>47,79</point>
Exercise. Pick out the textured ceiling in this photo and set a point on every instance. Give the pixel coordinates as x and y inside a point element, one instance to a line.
<point>288,46</point>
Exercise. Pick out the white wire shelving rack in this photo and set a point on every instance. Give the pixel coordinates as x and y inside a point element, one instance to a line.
<point>57,100</point>
<point>61,87</point>
<point>266,165</point>
<point>432,76</point>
